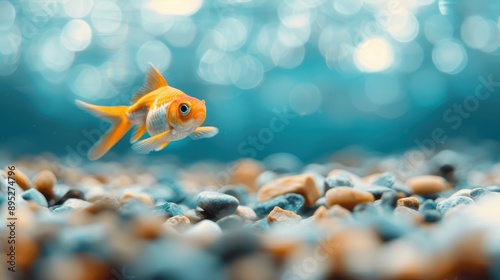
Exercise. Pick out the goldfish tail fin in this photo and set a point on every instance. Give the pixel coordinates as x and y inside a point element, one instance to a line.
<point>117,115</point>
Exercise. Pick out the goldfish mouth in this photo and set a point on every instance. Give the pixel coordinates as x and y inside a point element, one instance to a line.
<point>199,117</point>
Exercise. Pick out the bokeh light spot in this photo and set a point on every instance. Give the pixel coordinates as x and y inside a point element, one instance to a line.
<point>153,52</point>
<point>77,8</point>
<point>76,35</point>
<point>174,7</point>
<point>476,32</point>
<point>374,55</point>
<point>449,56</point>
<point>7,15</point>
<point>348,7</point>
<point>106,17</point>
<point>86,81</point>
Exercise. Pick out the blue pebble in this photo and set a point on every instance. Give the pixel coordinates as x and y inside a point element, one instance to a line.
<point>377,191</point>
<point>476,193</point>
<point>402,189</point>
<point>493,188</point>
<point>260,226</point>
<point>386,179</point>
<point>62,209</point>
<point>230,222</point>
<point>36,196</point>
<point>239,192</point>
<point>169,209</point>
<point>429,204</point>
<point>431,216</point>
<point>445,205</point>
<point>388,229</point>
<point>340,180</point>
<point>389,200</point>
<point>3,198</point>
<point>217,204</point>
<point>292,202</point>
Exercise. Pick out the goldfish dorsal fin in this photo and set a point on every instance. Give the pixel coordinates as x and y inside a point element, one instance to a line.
<point>154,80</point>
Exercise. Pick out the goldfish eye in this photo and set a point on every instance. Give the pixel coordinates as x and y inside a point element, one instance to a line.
<point>184,109</point>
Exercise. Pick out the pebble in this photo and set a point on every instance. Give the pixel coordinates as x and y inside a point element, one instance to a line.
<point>462,192</point>
<point>386,179</point>
<point>410,202</point>
<point>429,204</point>
<point>36,196</point>
<point>389,200</point>
<point>22,180</point>
<point>139,196</point>
<point>493,188</point>
<point>44,182</point>
<point>76,203</point>
<point>259,226</point>
<point>204,231</point>
<point>217,204</point>
<point>246,172</point>
<point>300,184</point>
<point>447,204</point>
<point>280,216</point>
<point>78,194</point>
<point>106,203</point>
<point>477,193</point>
<point>62,209</point>
<point>168,209</point>
<point>328,215</point>
<point>246,213</point>
<point>339,179</point>
<point>431,216</point>
<point>427,184</point>
<point>347,197</point>
<point>239,192</point>
<point>3,198</point>
<point>178,222</point>
<point>27,251</point>
<point>402,189</point>
<point>376,191</point>
<point>230,222</point>
<point>194,216</point>
<point>292,202</point>
<point>404,213</point>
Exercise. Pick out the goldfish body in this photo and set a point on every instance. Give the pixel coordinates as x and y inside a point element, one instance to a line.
<point>166,113</point>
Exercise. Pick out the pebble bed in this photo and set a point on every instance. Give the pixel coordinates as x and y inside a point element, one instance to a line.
<point>346,218</point>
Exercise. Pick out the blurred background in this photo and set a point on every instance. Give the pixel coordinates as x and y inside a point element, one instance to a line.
<point>307,77</point>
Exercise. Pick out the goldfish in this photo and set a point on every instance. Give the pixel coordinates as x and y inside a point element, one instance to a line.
<point>167,114</point>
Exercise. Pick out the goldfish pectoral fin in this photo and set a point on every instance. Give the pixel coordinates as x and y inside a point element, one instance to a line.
<point>152,143</point>
<point>162,146</point>
<point>204,132</point>
<point>137,133</point>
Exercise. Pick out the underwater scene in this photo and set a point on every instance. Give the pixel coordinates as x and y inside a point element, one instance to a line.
<point>249,139</point>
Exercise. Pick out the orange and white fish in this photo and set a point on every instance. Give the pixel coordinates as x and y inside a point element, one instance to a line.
<point>166,113</point>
